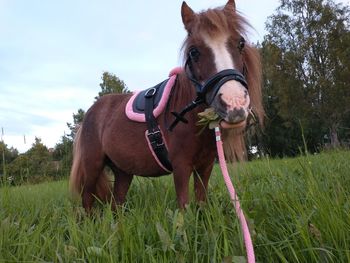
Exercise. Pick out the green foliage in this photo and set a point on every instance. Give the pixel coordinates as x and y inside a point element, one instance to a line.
<point>111,84</point>
<point>63,155</point>
<point>77,120</point>
<point>298,211</point>
<point>34,166</point>
<point>7,155</point>
<point>306,67</point>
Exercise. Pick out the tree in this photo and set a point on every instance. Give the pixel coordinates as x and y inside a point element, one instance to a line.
<point>77,120</point>
<point>111,84</point>
<point>63,155</point>
<point>282,134</point>
<point>306,62</point>
<point>34,166</point>
<point>7,156</point>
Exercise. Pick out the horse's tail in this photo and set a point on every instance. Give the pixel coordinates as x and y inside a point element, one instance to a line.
<point>78,179</point>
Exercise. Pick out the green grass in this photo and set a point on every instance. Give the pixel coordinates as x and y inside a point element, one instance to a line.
<point>298,210</point>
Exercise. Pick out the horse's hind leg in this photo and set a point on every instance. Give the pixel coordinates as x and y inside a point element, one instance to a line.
<point>93,171</point>
<point>121,185</point>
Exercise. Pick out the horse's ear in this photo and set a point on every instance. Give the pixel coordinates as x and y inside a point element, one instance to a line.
<point>230,6</point>
<point>188,16</point>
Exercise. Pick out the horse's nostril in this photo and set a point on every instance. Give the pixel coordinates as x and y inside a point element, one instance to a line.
<point>236,115</point>
<point>240,112</point>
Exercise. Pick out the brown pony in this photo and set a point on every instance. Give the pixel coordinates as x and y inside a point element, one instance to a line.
<point>107,137</point>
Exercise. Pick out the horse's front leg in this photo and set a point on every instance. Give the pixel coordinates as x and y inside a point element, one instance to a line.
<point>122,181</point>
<point>201,179</point>
<point>182,175</point>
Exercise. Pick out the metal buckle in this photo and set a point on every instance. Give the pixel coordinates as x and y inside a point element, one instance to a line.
<point>153,133</point>
<point>155,137</point>
<point>150,92</point>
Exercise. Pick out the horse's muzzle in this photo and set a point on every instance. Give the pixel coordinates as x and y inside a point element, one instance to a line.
<point>234,119</point>
<point>232,104</point>
<point>236,115</point>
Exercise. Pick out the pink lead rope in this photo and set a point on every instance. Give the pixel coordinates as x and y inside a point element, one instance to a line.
<point>234,198</point>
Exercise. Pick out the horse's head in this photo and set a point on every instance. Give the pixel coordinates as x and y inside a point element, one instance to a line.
<point>220,63</point>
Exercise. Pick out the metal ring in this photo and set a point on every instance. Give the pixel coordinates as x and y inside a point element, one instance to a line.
<point>150,92</point>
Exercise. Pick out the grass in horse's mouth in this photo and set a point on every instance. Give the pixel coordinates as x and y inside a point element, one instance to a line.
<point>211,119</point>
<point>208,118</point>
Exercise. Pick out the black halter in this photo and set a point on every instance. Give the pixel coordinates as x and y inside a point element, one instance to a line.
<point>213,84</point>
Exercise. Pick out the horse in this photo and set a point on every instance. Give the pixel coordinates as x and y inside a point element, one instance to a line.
<point>220,71</point>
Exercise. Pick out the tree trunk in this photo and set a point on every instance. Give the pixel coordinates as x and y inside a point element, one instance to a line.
<point>334,136</point>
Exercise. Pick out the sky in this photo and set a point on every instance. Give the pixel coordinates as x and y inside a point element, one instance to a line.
<point>53,54</point>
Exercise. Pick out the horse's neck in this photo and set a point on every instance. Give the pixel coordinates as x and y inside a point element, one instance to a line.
<point>184,92</point>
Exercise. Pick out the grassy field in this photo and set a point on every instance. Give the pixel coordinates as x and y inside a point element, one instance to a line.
<point>298,210</point>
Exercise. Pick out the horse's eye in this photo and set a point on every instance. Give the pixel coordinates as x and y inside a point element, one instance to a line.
<point>194,54</point>
<point>241,44</point>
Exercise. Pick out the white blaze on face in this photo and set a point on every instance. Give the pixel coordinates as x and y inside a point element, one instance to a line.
<point>223,58</point>
<point>233,93</point>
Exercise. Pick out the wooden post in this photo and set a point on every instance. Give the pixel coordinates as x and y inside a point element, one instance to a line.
<point>3,155</point>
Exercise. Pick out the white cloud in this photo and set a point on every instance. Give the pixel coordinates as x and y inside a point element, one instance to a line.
<point>40,113</point>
